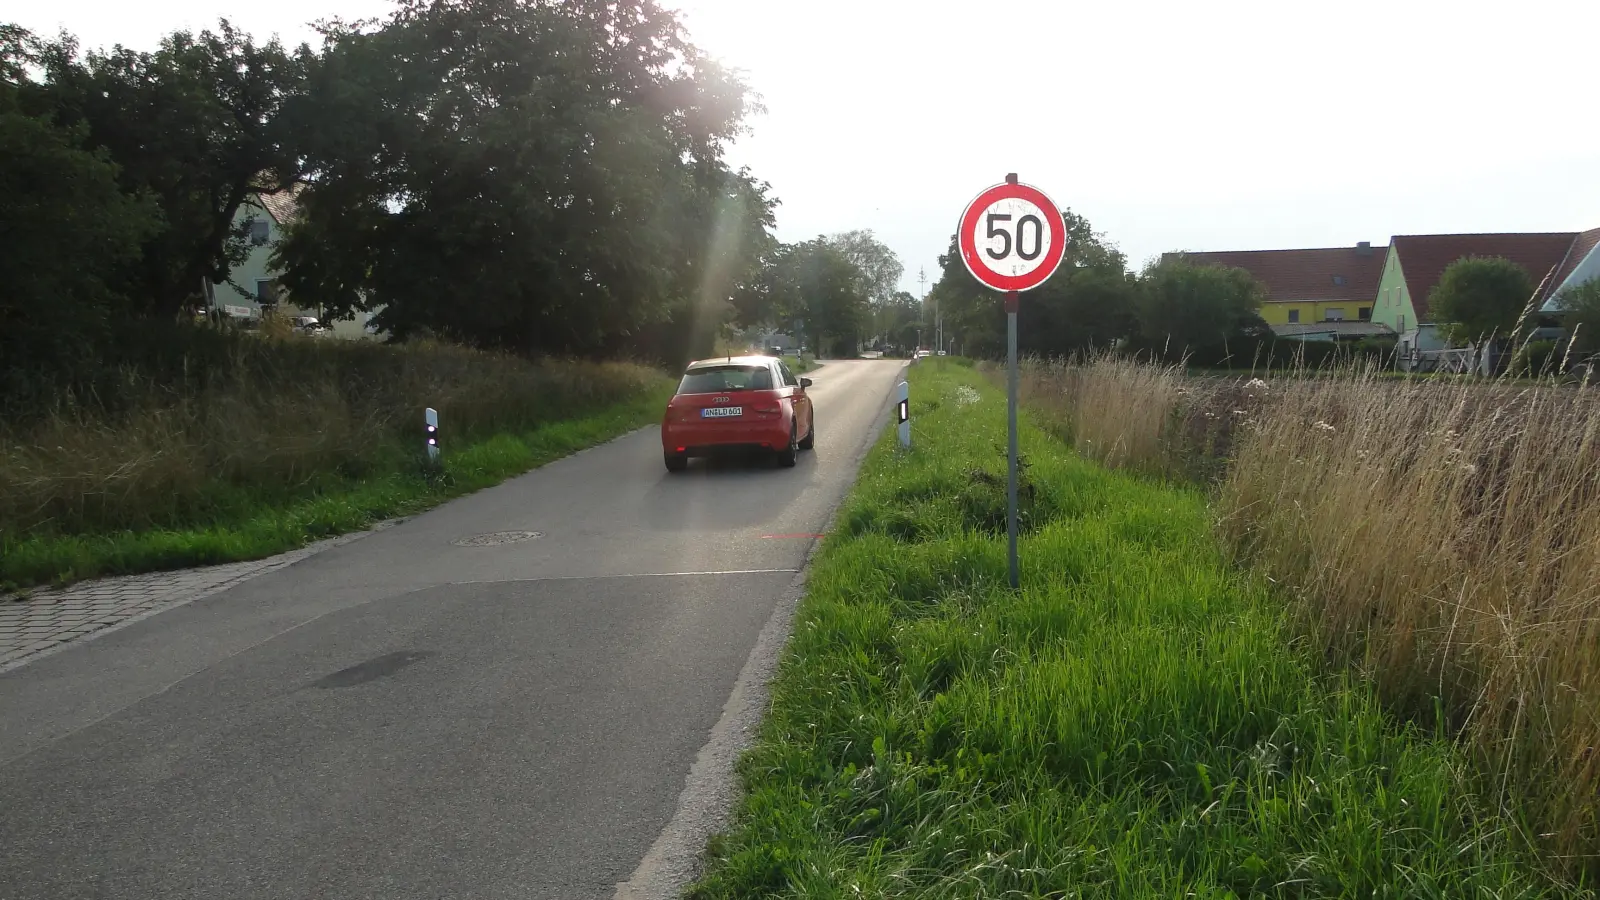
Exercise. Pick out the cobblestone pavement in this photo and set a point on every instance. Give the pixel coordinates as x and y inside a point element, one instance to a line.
<point>41,621</point>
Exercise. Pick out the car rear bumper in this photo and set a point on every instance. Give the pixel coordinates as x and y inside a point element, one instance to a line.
<point>704,438</point>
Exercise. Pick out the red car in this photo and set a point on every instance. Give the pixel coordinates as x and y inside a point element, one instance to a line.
<point>751,402</point>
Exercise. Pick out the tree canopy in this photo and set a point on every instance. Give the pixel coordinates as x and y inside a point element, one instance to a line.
<point>543,176</point>
<point>1188,310</point>
<point>1478,297</point>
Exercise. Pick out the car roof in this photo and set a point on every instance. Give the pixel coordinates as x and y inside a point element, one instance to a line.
<point>733,361</point>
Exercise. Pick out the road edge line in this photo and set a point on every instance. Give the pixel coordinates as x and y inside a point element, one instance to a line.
<point>711,787</point>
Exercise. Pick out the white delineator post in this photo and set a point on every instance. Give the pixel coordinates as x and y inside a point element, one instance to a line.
<point>903,411</point>
<point>430,426</point>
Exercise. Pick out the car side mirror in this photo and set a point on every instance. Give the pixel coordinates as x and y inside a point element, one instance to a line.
<point>805,382</point>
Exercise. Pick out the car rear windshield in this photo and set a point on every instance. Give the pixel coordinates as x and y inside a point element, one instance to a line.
<point>716,379</point>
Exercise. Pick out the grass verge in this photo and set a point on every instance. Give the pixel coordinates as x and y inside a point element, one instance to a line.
<point>335,504</point>
<point>1132,723</point>
<point>1439,537</point>
<point>801,364</point>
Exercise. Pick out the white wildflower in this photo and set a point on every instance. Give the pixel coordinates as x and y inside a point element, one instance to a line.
<point>1256,384</point>
<point>1323,426</point>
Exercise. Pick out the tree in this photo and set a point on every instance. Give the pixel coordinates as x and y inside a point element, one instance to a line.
<point>1185,309</point>
<point>1580,310</point>
<point>900,319</point>
<point>1477,297</point>
<point>813,282</point>
<point>880,268</point>
<point>530,174</point>
<point>69,230</point>
<point>197,125</point>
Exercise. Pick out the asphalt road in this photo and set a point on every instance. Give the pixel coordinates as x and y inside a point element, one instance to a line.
<point>404,716</point>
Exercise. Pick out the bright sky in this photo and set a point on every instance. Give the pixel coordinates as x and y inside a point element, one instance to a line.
<point>1170,124</point>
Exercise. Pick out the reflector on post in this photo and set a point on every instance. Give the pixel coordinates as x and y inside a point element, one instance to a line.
<point>430,427</point>
<point>903,415</point>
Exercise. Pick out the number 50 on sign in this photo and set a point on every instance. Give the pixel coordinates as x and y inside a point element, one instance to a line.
<point>1012,237</point>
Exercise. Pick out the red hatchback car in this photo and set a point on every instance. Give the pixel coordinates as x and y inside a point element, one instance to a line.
<point>752,402</point>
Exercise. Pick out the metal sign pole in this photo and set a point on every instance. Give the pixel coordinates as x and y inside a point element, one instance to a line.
<point>1011,435</point>
<point>1011,240</point>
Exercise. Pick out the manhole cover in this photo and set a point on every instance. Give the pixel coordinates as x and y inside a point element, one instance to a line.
<point>496,537</point>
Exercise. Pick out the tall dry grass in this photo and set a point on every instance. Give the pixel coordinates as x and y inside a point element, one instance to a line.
<point>1443,539</point>
<point>263,418</point>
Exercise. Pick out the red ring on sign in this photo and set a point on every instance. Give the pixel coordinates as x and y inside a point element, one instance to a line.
<point>967,237</point>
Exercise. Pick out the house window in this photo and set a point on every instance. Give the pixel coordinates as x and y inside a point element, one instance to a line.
<point>1333,314</point>
<point>1338,280</point>
<point>258,231</point>
<point>267,291</point>
<point>1402,328</point>
<point>1294,316</point>
<point>1364,313</point>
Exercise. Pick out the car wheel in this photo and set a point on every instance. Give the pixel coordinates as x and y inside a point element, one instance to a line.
<point>789,455</point>
<point>676,462</point>
<point>811,435</point>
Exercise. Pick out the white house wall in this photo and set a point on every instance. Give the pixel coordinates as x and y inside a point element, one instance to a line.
<point>256,267</point>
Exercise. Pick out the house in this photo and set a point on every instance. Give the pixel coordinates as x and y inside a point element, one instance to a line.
<point>1318,294</point>
<point>1416,262</point>
<point>1581,264</point>
<point>252,286</point>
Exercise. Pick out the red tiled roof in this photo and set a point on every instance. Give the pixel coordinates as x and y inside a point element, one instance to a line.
<point>284,205</point>
<point>1304,274</point>
<point>1424,257</point>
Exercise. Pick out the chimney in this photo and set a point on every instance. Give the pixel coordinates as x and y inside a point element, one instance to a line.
<point>1364,248</point>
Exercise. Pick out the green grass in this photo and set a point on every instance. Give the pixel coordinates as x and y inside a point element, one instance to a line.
<point>1132,723</point>
<point>799,364</point>
<point>257,524</point>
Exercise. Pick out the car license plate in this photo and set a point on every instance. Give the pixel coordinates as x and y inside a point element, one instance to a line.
<point>721,412</point>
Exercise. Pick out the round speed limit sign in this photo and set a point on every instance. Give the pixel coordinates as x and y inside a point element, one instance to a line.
<point>1012,237</point>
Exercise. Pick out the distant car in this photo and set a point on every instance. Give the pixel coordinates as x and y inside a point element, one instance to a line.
<point>924,354</point>
<point>738,402</point>
<point>310,325</point>
<point>941,352</point>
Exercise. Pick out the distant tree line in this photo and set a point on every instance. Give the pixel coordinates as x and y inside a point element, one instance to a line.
<point>539,176</point>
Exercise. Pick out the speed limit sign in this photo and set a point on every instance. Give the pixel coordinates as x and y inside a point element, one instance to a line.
<point>1012,237</point>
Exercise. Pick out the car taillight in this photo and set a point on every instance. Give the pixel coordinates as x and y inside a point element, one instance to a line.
<point>768,410</point>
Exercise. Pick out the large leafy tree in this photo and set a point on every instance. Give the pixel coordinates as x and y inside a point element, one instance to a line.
<point>1480,297</point>
<point>197,125</point>
<point>814,284</point>
<point>538,175</point>
<point>69,231</point>
<point>1186,310</point>
<point>880,269</point>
